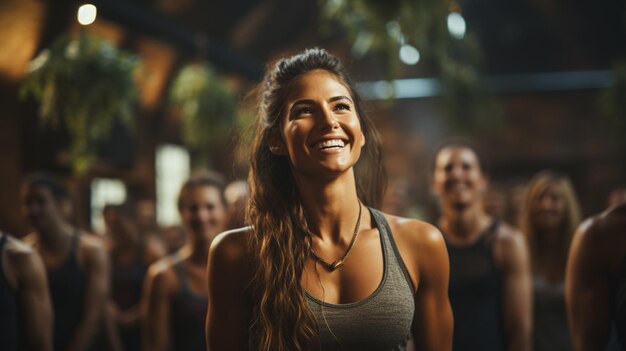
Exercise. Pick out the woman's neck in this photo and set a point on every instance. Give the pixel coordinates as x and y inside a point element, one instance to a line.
<point>331,206</point>
<point>549,256</point>
<point>549,239</point>
<point>127,243</point>
<point>197,250</point>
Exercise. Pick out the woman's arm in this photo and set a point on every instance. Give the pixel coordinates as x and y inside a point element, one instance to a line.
<point>425,256</point>
<point>130,317</point>
<point>156,308</point>
<point>433,322</point>
<point>228,274</point>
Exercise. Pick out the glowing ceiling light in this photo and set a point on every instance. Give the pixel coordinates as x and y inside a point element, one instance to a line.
<point>409,55</point>
<point>456,25</point>
<point>87,14</point>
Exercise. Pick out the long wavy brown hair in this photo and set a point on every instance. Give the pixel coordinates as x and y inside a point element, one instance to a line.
<point>281,243</point>
<point>571,217</point>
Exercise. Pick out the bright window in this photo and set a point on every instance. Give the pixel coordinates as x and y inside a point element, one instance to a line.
<point>172,169</point>
<point>104,191</point>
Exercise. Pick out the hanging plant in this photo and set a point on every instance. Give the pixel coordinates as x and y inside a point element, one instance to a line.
<point>83,85</point>
<point>207,107</point>
<point>386,26</point>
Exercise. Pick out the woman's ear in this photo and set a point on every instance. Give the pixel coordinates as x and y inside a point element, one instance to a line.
<point>276,145</point>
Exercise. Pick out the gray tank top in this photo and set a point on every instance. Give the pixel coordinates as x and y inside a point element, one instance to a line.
<point>381,321</point>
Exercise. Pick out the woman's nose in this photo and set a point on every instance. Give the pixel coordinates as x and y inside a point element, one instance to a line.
<point>328,120</point>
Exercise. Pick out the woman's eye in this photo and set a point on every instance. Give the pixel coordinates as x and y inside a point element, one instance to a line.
<point>341,106</point>
<point>303,111</point>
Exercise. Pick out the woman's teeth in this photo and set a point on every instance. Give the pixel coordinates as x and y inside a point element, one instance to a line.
<point>338,143</point>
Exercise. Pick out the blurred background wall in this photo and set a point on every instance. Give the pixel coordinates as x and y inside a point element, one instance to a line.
<point>545,66</point>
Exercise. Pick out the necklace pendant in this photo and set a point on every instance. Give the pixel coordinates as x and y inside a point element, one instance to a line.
<point>332,266</point>
<point>338,263</point>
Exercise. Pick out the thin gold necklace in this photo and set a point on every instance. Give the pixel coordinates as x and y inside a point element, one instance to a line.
<point>338,263</point>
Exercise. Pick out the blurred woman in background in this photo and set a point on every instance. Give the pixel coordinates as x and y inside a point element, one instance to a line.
<point>549,218</point>
<point>175,294</point>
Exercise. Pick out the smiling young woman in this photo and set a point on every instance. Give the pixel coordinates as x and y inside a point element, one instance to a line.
<point>318,268</point>
<point>175,296</point>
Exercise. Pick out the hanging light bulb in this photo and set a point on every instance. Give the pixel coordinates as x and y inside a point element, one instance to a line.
<point>87,14</point>
<point>456,25</point>
<point>409,55</point>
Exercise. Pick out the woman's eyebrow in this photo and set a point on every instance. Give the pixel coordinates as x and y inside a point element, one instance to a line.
<point>303,102</point>
<point>312,102</point>
<point>340,97</point>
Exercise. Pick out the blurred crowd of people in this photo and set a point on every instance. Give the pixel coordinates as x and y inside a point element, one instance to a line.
<point>136,287</point>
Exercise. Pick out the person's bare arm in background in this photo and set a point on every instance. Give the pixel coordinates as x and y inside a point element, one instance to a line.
<point>513,260</point>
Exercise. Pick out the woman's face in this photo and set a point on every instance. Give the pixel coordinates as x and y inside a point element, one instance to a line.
<point>457,178</point>
<point>120,226</point>
<point>548,209</point>
<point>320,129</point>
<point>202,210</point>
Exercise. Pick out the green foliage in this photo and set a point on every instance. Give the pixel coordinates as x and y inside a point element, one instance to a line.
<point>84,85</point>
<point>207,107</point>
<point>384,27</point>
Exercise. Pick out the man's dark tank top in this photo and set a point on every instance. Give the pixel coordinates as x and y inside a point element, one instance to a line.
<point>618,303</point>
<point>126,285</point>
<point>67,292</point>
<point>475,295</point>
<point>188,315</point>
<point>8,307</point>
<point>381,321</point>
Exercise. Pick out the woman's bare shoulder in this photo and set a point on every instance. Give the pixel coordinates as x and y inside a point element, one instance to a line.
<point>230,251</point>
<point>230,265</point>
<point>232,243</point>
<point>414,232</point>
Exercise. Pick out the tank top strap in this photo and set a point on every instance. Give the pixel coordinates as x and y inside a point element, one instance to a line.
<point>179,267</point>
<point>390,244</point>
<point>75,242</point>
<point>141,252</point>
<point>492,229</point>
<point>488,239</point>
